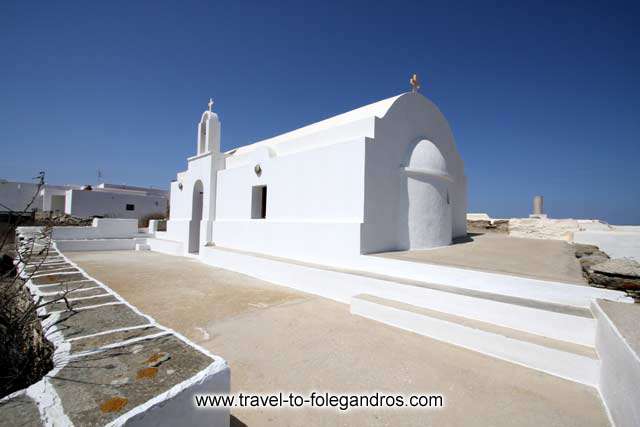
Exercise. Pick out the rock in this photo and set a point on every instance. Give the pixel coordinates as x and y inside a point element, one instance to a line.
<point>620,273</point>
<point>484,226</point>
<point>157,359</point>
<point>20,410</point>
<point>619,267</point>
<point>585,250</point>
<point>590,256</point>
<point>59,220</point>
<point>501,225</point>
<point>475,226</point>
<point>590,260</point>
<point>614,282</point>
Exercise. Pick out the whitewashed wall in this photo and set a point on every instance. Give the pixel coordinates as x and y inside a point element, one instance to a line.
<point>48,201</point>
<point>390,223</point>
<point>132,188</point>
<point>314,202</point>
<point>325,178</point>
<point>337,187</point>
<point>85,204</point>
<point>181,226</point>
<point>17,195</point>
<point>202,168</point>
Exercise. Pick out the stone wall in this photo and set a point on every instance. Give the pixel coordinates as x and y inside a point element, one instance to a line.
<point>487,225</point>
<point>543,228</point>
<point>535,227</point>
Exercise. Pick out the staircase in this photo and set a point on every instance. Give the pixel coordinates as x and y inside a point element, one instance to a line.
<point>543,325</point>
<point>565,358</point>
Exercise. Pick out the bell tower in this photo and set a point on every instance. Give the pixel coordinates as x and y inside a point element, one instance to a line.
<point>208,132</point>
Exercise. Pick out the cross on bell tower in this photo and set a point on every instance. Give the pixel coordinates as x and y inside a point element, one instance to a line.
<point>210,104</point>
<point>415,83</point>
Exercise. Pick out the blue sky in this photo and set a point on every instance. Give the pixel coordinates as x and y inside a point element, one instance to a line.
<point>542,98</point>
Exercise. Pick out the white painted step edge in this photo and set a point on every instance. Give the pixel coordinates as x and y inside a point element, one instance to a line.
<point>573,367</point>
<point>342,287</point>
<point>559,326</point>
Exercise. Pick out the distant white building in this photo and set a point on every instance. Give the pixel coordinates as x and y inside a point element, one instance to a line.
<point>16,196</point>
<point>116,201</point>
<point>104,200</point>
<point>383,177</point>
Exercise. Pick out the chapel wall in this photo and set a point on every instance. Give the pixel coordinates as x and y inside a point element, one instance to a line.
<point>314,207</point>
<point>324,184</point>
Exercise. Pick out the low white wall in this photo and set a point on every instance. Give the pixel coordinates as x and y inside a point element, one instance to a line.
<point>170,247</point>
<point>617,244</point>
<point>98,245</point>
<point>101,228</point>
<point>179,408</point>
<point>619,373</point>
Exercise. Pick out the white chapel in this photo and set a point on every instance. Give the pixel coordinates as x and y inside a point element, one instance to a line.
<point>383,177</point>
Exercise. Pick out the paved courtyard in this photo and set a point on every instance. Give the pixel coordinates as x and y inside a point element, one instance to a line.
<point>278,339</point>
<point>537,258</point>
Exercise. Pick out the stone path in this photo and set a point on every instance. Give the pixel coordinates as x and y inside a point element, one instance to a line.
<point>109,359</point>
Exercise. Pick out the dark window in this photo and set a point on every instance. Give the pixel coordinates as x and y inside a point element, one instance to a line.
<point>259,202</point>
<point>131,207</point>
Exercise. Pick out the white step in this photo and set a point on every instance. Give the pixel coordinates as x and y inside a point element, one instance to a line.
<point>563,359</point>
<point>560,322</point>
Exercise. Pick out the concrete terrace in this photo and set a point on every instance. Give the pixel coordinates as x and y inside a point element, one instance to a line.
<point>278,339</point>
<point>498,253</point>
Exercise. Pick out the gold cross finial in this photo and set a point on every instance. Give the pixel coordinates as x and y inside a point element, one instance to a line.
<point>415,83</point>
<point>210,104</point>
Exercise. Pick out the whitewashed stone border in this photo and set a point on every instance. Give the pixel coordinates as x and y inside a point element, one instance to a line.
<point>171,407</point>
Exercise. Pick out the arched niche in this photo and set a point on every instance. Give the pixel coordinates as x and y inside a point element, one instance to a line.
<point>202,136</point>
<point>430,214</point>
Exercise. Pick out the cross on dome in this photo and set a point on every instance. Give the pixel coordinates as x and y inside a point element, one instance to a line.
<point>210,104</point>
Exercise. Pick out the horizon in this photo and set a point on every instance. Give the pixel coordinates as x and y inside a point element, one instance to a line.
<point>542,100</point>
